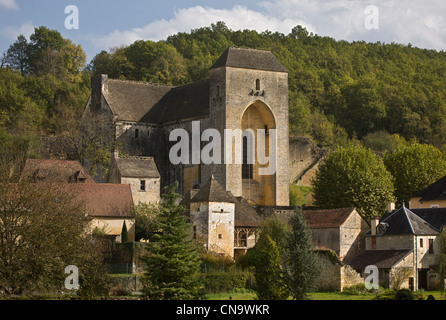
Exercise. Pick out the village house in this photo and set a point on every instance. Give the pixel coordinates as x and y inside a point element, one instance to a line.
<point>338,236</point>
<point>434,196</point>
<point>108,205</point>
<point>140,173</point>
<point>404,247</point>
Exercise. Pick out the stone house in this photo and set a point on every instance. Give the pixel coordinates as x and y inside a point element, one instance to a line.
<point>338,236</point>
<point>401,243</point>
<point>108,205</point>
<point>340,230</point>
<point>226,225</point>
<point>433,196</point>
<point>56,171</point>
<point>140,173</point>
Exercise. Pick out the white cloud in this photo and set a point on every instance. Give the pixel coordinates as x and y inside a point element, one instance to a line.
<point>184,20</point>
<point>9,4</point>
<point>13,32</point>
<point>421,23</point>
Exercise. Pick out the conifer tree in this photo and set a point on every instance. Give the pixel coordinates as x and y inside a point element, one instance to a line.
<point>300,264</point>
<point>270,283</point>
<point>124,234</point>
<point>172,264</point>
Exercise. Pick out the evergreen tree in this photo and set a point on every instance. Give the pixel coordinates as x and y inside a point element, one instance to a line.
<point>172,264</point>
<point>124,234</point>
<point>269,278</point>
<point>300,264</point>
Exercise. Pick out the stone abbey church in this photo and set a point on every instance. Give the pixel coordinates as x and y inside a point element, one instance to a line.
<point>246,89</point>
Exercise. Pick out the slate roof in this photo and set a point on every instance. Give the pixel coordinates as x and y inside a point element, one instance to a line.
<point>404,221</point>
<point>137,167</point>
<point>380,258</point>
<point>436,217</point>
<point>329,218</point>
<point>61,171</point>
<point>435,191</point>
<point>212,191</point>
<point>133,100</point>
<point>136,101</point>
<point>246,58</point>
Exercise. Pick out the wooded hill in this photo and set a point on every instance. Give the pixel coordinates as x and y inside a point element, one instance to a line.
<point>339,90</point>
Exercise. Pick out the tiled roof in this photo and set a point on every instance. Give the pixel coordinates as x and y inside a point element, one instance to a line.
<point>435,191</point>
<point>380,258</point>
<point>329,218</point>
<point>61,171</point>
<point>137,167</point>
<point>105,200</point>
<point>249,59</point>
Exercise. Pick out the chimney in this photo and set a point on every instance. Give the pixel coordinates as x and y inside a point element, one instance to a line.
<point>99,85</point>
<point>374,224</point>
<point>391,206</point>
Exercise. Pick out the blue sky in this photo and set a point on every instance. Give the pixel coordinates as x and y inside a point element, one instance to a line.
<point>105,24</point>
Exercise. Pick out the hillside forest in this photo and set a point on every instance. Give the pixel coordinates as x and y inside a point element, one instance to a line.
<point>377,94</point>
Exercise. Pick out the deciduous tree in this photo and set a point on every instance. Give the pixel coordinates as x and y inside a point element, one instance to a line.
<point>353,176</point>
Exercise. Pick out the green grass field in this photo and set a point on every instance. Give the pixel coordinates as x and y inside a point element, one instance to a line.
<point>315,296</point>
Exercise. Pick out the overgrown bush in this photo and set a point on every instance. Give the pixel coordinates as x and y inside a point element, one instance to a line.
<point>404,294</point>
<point>388,294</point>
<point>213,261</point>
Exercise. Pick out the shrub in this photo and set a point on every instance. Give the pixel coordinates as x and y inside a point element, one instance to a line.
<point>218,281</point>
<point>387,294</point>
<point>404,294</point>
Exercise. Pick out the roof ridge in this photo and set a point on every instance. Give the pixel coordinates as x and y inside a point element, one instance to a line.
<point>143,83</point>
<point>408,218</point>
<point>135,157</point>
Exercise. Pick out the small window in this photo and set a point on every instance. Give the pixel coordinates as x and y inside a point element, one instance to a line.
<point>220,236</point>
<point>221,210</point>
<point>257,84</point>
<point>218,91</point>
<point>142,186</point>
<point>421,243</point>
<point>195,232</point>
<point>431,245</point>
<point>136,133</point>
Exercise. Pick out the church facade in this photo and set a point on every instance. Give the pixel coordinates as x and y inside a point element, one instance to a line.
<point>246,92</point>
